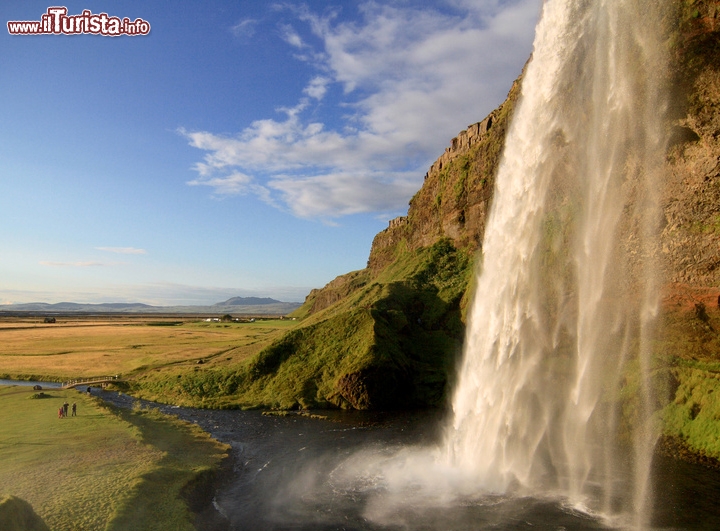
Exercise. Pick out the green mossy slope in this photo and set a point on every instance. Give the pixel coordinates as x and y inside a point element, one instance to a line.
<point>688,347</point>
<point>390,342</point>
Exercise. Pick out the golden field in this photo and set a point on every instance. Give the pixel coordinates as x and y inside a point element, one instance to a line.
<point>83,347</point>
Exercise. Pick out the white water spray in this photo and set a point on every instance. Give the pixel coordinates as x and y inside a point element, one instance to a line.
<point>568,291</point>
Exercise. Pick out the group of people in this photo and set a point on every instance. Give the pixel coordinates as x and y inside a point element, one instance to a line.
<point>63,411</point>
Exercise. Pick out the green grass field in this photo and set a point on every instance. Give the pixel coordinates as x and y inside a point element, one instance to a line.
<point>104,469</point>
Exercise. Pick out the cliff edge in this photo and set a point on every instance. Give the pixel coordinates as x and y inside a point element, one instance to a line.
<point>389,335</point>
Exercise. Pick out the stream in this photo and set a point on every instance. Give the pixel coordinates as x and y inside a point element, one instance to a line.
<point>349,472</point>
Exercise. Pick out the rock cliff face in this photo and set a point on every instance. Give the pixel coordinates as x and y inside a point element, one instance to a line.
<point>454,200</point>
<point>456,194</point>
<point>688,343</point>
<point>691,236</point>
<point>335,291</point>
<point>455,197</point>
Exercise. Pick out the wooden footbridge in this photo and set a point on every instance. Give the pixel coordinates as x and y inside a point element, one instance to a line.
<point>98,380</point>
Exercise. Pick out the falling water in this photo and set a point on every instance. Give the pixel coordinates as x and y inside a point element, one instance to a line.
<point>567,293</point>
<point>552,400</point>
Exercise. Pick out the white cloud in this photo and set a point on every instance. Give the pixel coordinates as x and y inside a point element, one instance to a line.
<point>235,183</point>
<point>317,87</point>
<point>122,250</point>
<point>290,36</point>
<point>343,193</point>
<point>411,77</point>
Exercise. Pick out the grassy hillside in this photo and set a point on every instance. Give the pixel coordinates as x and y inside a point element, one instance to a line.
<point>390,342</point>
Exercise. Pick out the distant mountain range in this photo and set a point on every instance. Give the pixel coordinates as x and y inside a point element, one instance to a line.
<point>234,305</point>
<point>248,301</point>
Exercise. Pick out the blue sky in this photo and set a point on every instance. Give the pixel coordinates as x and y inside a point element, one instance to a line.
<point>241,148</point>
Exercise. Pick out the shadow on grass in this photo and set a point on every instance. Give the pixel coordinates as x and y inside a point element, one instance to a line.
<point>180,483</point>
<point>18,515</point>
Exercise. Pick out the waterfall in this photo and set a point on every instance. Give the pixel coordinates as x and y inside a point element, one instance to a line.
<point>567,294</point>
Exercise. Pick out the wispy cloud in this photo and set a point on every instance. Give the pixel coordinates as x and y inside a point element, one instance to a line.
<point>409,79</point>
<point>72,264</point>
<point>122,250</point>
<point>244,29</point>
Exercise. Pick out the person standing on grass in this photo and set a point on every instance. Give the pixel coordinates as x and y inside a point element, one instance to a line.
<point>74,409</point>
<point>60,412</point>
<point>65,408</point>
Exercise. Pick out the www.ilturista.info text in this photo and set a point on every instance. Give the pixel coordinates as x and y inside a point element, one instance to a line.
<point>56,22</point>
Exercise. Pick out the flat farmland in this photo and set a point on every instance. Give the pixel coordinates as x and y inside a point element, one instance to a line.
<point>82,347</point>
